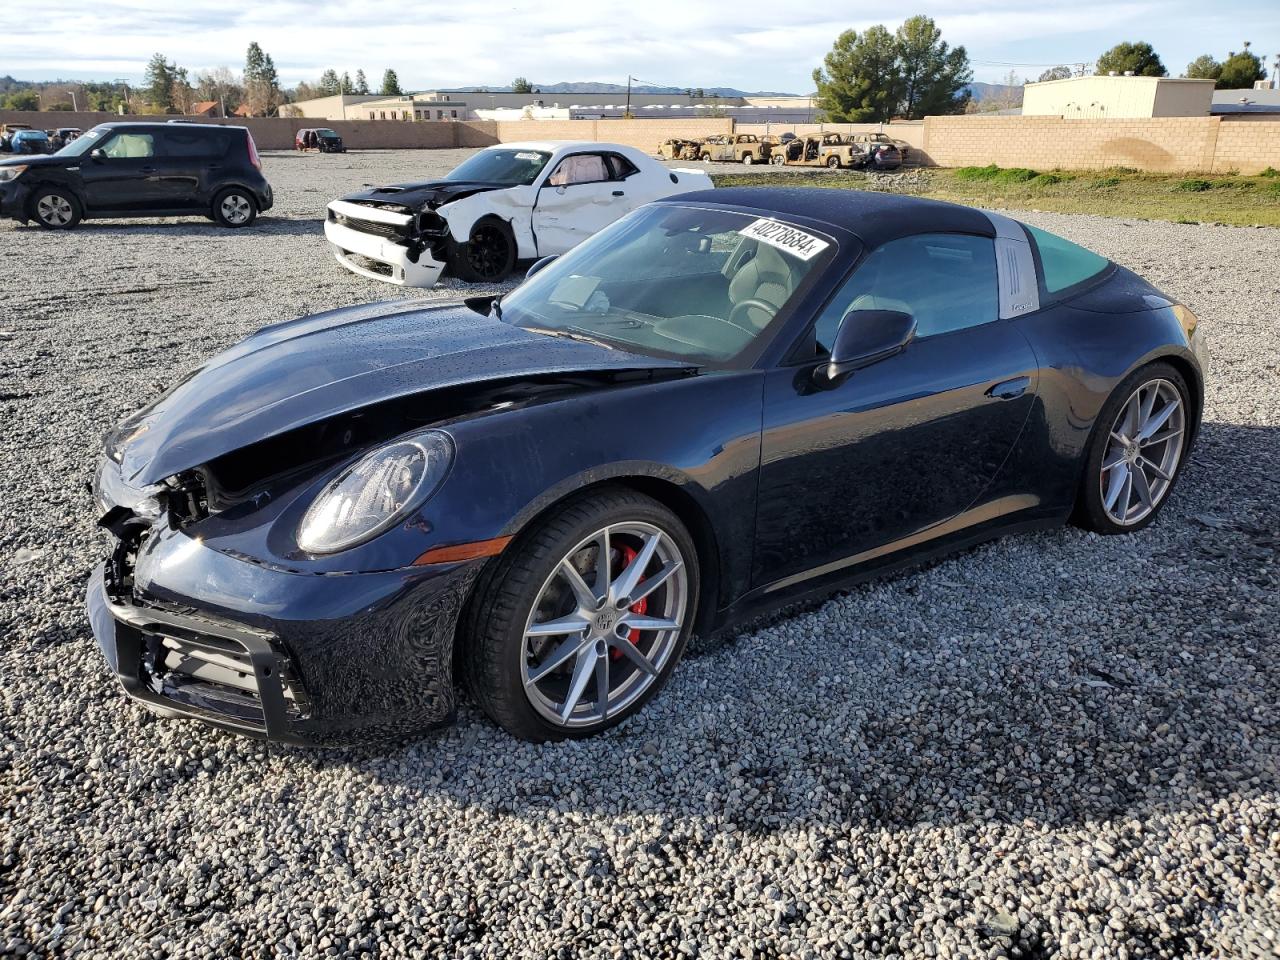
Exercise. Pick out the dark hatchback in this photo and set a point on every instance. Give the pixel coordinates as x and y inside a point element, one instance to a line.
<point>140,170</point>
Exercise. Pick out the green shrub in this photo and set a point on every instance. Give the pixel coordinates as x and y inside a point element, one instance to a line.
<point>1102,182</point>
<point>1192,185</point>
<point>977,173</point>
<point>1273,189</point>
<point>1047,179</point>
<point>1014,175</point>
<point>1270,172</point>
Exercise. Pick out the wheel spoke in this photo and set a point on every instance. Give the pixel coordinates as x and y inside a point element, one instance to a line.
<point>1115,486</point>
<point>653,583</point>
<point>1158,470</point>
<point>1148,404</point>
<point>638,622</point>
<point>1160,438</point>
<point>557,659</point>
<point>1152,424</point>
<point>1142,488</point>
<point>603,572</point>
<point>1130,417</point>
<point>602,686</point>
<point>630,577</point>
<point>555,628</point>
<point>581,592</point>
<point>1114,459</point>
<point>577,686</point>
<point>1126,495</point>
<point>632,653</point>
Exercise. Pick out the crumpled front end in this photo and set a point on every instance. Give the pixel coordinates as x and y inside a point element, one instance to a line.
<point>384,243</point>
<point>286,655</point>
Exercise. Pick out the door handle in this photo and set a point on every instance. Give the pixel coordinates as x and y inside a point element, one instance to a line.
<point>617,193</point>
<point>148,170</point>
<point>1009,389</point>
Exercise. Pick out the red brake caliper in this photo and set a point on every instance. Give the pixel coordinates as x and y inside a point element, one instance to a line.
<point>628,554</point>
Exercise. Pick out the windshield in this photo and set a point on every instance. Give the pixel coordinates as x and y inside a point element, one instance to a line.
<point>502,165</point>
<point>671,281</point>
<point>82,144</point>
<point>326,133</point>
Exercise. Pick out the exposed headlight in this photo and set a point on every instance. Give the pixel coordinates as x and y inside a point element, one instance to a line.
<point>377,490</point>
<point>12,172</point>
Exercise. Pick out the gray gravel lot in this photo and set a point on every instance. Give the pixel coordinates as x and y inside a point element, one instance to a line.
<point>1057,745</point>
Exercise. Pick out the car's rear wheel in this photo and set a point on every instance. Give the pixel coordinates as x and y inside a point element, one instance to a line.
<point>747,159</point>
<point>1136,452</point>
<point>833,161</point>
<point>583,619</point>
<point>235,207</point>
<point>705,158</point>
<point>55,208</point>
<point>487,256</point>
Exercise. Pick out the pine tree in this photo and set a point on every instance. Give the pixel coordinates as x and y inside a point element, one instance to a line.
<point>158,81</point>
<point>362,85</point>
<point>859,81</point>
<point>329,83</point>
<point>391,84</point>
<point>934,76</point>
<point>345,87</point>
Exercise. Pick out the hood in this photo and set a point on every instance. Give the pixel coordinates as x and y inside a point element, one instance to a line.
<point>429,194</point>
<point>33,160</point>
<point>307,370</point>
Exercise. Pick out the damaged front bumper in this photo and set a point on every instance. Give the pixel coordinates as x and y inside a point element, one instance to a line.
<point>390,259</point>
<point>13,200</point>
<point>297,657</point>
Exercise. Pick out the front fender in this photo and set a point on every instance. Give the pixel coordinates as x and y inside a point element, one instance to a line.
<point>513,206</point>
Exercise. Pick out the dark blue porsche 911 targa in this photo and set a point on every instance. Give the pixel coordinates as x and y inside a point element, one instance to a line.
<point>722,402</point>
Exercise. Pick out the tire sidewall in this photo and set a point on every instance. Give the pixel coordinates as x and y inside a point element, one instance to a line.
<point>460,265</point>
<point>77,209</point>
<point>594,514</point>
<point>1090,511</point>
<point>222,195</point>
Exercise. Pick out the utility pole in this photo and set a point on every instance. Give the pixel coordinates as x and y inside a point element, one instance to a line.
<point>627,113</point>
<point>74,106</point>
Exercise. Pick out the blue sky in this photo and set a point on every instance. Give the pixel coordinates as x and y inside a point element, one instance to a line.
<point>752,44</point>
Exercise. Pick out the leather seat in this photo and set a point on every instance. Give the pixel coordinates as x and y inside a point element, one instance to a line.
<point>768,277</point>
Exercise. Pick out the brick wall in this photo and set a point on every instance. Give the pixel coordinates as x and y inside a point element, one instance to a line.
<point>272,133</point>
<point>1161,145</point>
<point>644,135</point>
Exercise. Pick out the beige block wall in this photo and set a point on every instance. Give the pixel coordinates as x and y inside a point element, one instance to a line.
<point>644,134</point>
<point>1247,145</point>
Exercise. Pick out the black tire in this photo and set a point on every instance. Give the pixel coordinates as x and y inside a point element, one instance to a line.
<point>1090,511</point>
<point>833,162</point>
<point>234,207</point>
<point>487,257</point>
<point>56,208</point>
<point>491,643</point>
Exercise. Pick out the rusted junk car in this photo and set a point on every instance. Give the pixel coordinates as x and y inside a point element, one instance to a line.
<point>744,147</point>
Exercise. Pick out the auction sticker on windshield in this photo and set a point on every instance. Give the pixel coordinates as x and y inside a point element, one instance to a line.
<point>785,237</point>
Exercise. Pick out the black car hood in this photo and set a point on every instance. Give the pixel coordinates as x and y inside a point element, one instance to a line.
<point>33,160</point>
<point>307,370</point>
<point>430,193</point>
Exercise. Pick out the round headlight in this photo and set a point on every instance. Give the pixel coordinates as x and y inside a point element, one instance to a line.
<point>374,492</point>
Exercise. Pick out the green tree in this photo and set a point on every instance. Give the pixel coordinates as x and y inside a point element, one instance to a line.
<point>521,85</point>
<point>1204,67</point>
<point>261,82</point>
<point>859,81</point>
<point>391,84</point>
<point>1139,58</point>
<point>1055,73</point>
<point>329,84</point>
<point>22,100</point>
<point>934,77</point>
<point>1240,70</point>
<point>362,84</point>
<point>345,86</point>
<point>158,83</point>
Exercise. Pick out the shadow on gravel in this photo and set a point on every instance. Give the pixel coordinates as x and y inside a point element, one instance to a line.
<point>1143,683</point>
<point>191,226</point>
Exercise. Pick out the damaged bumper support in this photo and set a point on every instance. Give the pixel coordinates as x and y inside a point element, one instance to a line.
<point>280,654</point>
<point>375,243</point>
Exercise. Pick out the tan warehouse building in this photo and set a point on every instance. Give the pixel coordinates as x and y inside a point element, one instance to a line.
<point>1117,97</point>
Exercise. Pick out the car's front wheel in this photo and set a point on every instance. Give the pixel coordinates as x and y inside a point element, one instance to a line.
<point>487,256</point>
<point>235,207</point>
<point>583,619</point>
<point>1136,452</point>
<point>55,208</point>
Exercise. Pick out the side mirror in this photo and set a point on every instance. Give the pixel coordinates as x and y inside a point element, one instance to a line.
<point>538,265</point>
<point>97,154</point>
<point>866,337</point>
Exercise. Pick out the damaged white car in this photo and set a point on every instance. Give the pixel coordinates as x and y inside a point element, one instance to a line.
<point>517,201</point>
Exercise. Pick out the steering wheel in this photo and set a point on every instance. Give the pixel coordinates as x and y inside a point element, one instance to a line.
<point>747,304</point>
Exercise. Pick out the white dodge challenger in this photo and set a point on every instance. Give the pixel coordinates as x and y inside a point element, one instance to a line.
<point>516,201</point>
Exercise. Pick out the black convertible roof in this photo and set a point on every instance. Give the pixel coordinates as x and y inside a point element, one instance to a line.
<point>875,218</point>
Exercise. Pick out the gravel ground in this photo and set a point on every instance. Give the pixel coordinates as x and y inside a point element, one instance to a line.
<point>1057,745</point>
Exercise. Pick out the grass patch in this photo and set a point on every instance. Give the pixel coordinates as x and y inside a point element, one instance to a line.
<point>1270,172</point>
<point>1114,192</point>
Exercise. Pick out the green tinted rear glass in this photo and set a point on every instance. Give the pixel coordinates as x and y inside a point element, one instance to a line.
<point>1064,263</point>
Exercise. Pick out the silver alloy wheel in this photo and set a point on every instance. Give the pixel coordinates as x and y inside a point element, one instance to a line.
<point>608,618</point>
<point>1143,452</point>
<point>54,210</point>
<point>235,208</point>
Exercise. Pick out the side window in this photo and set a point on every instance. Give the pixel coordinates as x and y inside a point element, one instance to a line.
<point>1063,263</point>
<point>187,143</point>
<point>947,281</point>
<point>579,168</point>
<point>619,166</point>
<point>130,146</point>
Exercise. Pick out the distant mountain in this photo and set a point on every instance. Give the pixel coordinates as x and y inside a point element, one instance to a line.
<point>994,91</point>
<point>591,87</point>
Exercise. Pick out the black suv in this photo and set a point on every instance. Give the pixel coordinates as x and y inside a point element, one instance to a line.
<point>140,170</point>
